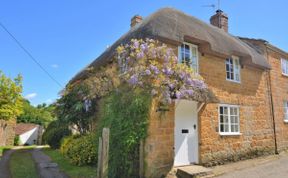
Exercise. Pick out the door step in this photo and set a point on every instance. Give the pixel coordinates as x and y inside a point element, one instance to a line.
<point>193,171</point>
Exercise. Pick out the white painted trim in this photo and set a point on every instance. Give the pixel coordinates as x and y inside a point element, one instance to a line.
<point>230,133</point>
<point>282,62</point>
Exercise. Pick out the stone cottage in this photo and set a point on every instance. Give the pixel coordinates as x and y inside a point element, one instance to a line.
<point>247,76</point>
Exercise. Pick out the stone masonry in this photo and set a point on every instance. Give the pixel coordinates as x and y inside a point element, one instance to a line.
<point>279,87</point>
<point>7,132</point>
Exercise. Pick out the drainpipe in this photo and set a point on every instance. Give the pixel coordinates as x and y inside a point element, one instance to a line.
<point>272,104</point>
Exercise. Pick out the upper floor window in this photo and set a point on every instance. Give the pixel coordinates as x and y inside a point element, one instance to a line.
<point>229,120</point>
<point>284,66</point>
<point>233,69</point>
<point>286,111</point>
<point>123,65</point>
<point>188,54</point>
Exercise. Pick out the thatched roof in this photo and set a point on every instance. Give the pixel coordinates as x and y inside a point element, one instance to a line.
<point>174,26</point>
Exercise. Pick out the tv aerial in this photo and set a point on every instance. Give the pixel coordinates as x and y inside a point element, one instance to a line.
<point>214,5</point>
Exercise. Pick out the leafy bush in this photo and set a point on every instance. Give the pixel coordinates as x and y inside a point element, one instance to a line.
<point>65,143</point>
<point>16,140</point>
<point>126,113</point>
<point>54,134</point>
<point>80,151</point>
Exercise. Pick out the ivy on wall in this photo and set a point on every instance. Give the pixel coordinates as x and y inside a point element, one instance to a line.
<point>126,113</point>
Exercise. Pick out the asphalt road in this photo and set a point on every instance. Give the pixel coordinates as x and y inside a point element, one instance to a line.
<point>272,169</point>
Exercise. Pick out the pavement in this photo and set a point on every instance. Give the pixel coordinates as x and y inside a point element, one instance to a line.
<point>44,165</point>
<point>273,166</point>
<point>4,164</point>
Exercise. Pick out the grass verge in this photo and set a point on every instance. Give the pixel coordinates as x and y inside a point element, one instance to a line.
<point>22,165</point>
<point>71,170</point>
<point>3,148</point>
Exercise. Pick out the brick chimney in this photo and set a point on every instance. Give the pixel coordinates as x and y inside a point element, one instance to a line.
<point>220,20</point>
<point>135,20</point>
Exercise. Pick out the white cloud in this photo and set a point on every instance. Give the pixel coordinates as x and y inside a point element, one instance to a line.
<point>49,101</point>
<point>55,66</point>
<point>30,96</point>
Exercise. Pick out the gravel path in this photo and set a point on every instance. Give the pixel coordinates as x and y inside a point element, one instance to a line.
<point>4,164</point>
<point>46,169</point>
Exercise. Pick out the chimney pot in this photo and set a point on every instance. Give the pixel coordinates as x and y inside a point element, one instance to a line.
<point>220,20</point>
<point>136,20</point>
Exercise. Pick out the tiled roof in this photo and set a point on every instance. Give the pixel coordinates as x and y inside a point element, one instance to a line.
<point>24,127</point>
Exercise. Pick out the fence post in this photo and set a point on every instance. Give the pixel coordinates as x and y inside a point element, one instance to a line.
<point>103,154</point>
<point>105,151</point>
<point>141,159</point>
<point>99,166</point>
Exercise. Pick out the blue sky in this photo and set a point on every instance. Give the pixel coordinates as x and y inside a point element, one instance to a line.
<point>65,36</point>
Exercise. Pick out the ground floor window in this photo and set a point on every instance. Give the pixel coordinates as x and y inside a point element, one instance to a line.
<point>286,111</point>
<point>229,120</point>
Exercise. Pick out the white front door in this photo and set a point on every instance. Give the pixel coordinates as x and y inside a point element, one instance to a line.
<point>186,133</point>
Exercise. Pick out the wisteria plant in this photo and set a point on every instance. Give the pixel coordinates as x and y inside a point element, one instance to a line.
<point>153,66</point>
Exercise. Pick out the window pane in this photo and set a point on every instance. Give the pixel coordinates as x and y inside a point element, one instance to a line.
<point>283,63</point>
<point>225,110</point>
<point>221,128</point>
<point>226,128</point>
<point>232,128</point>
<point>221,110</point>
<point>226,119</point>
<point>221,119</point>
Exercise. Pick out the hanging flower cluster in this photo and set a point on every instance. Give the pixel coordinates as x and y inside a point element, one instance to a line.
<point>153,66</point>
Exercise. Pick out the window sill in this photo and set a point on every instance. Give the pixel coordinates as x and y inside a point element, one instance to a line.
<point>285,75</point>
<point>235,81</point>
<point>231,134</point>
<point>286,121</point>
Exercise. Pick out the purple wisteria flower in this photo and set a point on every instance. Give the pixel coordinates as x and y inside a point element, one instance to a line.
<point>136,44</point>
<point>140,55</point>
<point>144,47</point>
<point>189,92</point>
<point>147,72</point>
<point>167,71</point>
<point>154,69</point>
<point>133,79</point>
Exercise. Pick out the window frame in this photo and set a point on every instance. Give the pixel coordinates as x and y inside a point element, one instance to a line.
<point>285,108</point>
<point>229,120</point>
<point>286,66</point>
<point>234,58</point>
<point>190,47</point>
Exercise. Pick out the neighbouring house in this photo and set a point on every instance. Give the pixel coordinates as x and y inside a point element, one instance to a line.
<point>7,132</point>
<point>29,134</point>
<point>247,76</point>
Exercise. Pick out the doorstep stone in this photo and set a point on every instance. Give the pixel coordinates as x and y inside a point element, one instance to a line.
<point>193,171</point>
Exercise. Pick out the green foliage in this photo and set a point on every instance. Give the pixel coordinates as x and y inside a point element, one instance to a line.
<point>70,169</point>
<point>65,143</point>
<point>74,107</point>
<point>82,150</point>
<point>125,112</point>
<point>10,97</point>
<point>16,140</point>
<point>41,114</point>
<point>54,134</point>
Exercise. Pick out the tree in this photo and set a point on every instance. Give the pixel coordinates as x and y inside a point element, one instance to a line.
<point>41,114</point>
<point>11,100</point>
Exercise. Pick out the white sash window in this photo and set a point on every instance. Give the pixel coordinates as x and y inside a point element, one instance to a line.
<point>233,69</point>
<point>188,54</point>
